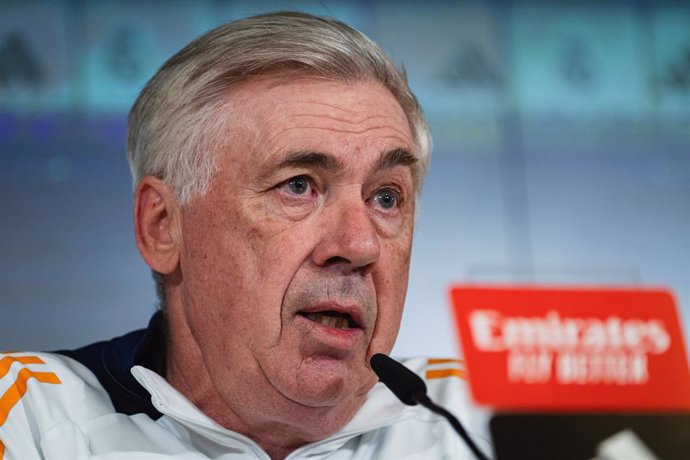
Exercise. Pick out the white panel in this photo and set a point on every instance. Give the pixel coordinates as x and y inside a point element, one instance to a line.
<point>349,12</point>
<point>671,73</point>
<point>454,62</point>
<point>577,60</point>
<point>34,67</point>
<point>126,42</point>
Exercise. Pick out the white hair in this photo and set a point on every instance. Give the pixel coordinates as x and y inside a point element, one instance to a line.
<point>174,131</point>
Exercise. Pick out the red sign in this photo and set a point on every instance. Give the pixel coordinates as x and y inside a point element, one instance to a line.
<point>576,349</point>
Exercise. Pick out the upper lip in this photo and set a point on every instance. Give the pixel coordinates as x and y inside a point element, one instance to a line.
<point>353,310</point>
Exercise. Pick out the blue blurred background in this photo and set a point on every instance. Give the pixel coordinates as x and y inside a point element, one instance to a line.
<point>562,151</point>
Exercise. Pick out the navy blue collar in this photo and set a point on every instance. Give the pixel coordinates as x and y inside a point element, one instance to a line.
<point>111,361</point>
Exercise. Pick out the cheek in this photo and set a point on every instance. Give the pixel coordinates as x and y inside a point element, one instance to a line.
<point>273,242</point>
<point>228,244</point>
<point>391,281</point>
<point>217,267</point>
<point>236,267</point>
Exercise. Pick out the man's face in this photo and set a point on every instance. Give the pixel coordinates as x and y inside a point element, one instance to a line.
<point>294,265</point>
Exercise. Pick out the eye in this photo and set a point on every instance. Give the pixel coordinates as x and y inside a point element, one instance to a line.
<point>299,185</point>
<point>387,198</point>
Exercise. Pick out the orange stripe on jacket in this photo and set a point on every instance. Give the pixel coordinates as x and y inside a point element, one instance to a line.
<point>444,361</point>
<point>7,361</point>
<point>443,373</point>
<point>18,389</point>
<point>2,449</point>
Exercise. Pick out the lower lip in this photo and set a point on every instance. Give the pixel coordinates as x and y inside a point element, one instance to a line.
<point>334,337</point>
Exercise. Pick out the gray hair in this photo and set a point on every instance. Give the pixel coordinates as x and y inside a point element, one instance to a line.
<point>174,131</point>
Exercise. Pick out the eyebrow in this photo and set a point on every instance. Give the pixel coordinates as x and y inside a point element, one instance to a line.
<point>311,159</point>
<point>400,157</point>
<point>388,160</point>
<point>396,157</point>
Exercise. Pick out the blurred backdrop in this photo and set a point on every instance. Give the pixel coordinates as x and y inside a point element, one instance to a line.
<point>562,151</point>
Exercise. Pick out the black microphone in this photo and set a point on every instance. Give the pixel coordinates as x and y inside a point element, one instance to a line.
<point>411,390</point>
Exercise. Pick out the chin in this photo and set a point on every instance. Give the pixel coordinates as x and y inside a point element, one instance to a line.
<point>322,384</point>
<point>322,396</point>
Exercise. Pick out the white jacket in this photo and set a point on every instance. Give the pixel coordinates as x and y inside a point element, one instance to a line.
<point>54,407</point>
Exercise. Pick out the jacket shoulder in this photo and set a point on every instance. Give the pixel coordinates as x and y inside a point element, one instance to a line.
<point>40,391</point>
<point>447,383</point>
<point>446,378</point>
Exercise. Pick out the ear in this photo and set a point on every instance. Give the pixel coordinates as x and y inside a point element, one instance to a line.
<point>157,224</point>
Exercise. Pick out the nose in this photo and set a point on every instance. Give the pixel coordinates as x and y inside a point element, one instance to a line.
<point>348,239</point>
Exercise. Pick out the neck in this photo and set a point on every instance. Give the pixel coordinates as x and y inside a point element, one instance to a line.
<point>248,404</point>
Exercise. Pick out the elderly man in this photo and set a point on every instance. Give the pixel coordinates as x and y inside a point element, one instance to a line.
<point>277,162</point>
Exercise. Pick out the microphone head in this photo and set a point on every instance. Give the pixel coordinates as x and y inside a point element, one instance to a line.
<point>405,384</point>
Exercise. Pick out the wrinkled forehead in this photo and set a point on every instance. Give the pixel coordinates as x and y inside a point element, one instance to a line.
<point>313,113</point>
<point>356,98</point>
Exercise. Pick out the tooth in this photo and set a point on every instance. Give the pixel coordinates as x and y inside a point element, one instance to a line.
<point>337,322</point>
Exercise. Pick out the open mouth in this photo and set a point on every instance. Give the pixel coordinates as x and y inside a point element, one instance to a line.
<point>330,318</point>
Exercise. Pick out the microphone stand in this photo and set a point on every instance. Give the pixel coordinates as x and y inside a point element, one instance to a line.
<point>425,401</point>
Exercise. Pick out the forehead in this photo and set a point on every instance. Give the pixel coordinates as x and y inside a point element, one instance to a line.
<point>317,114</point>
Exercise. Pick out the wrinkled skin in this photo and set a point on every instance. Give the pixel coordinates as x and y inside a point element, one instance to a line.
<point>312,209</point>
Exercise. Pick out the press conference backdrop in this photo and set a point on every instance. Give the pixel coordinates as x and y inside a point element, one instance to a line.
<point>562,151</point>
